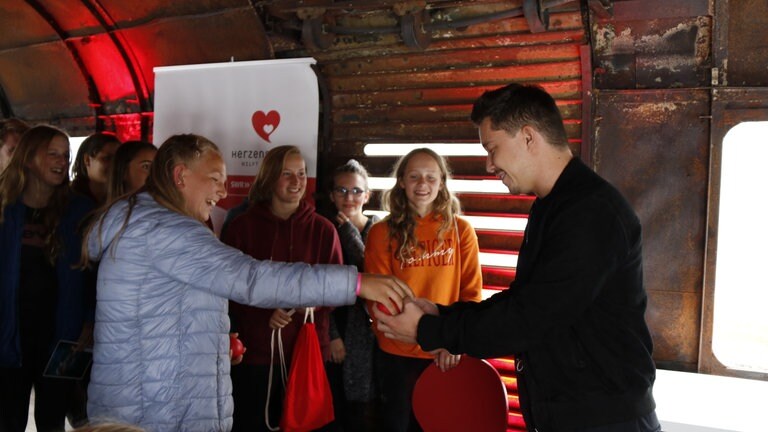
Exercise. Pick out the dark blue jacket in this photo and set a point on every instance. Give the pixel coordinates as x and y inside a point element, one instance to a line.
<point>72,308</point>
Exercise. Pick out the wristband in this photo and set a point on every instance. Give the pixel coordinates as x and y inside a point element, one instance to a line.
<point>359,283</point>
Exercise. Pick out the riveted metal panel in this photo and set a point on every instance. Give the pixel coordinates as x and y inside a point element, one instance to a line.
<point>747,43</point>
<point>654,147</point>
<point>670,50</point>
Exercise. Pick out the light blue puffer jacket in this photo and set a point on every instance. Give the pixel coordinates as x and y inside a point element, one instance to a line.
<point>161,354</point>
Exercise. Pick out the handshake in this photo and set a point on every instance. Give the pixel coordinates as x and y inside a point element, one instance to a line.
<point>393,295</point>
<point>402,325</point>
<point>390,293</point>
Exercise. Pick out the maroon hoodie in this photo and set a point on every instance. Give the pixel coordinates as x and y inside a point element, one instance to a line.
<point>303,237</point>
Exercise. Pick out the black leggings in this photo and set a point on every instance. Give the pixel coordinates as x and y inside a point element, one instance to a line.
<point>51,399</point>
<point>397,378</point>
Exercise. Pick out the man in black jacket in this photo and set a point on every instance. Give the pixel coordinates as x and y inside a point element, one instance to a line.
<point>574,316</point>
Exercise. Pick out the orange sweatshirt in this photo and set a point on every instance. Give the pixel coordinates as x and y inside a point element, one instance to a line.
<point>444,273</point>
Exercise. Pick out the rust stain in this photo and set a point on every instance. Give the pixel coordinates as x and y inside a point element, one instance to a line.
<point>703,39</point>
<point>653,112</point>
<point>623,43</point>
<point>604,37</point>
<point>653,51</point>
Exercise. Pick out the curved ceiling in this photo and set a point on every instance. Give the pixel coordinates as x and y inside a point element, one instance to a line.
<point>88,65</point>
<point>84,61</point>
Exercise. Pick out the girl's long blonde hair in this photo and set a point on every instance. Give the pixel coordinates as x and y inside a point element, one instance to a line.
<point>15,177</point>
<point>109,427</point>
<point>178,149</point>
<point>401,220</point>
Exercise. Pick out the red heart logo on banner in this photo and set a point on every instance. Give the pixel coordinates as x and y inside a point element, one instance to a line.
<point>265,124</point>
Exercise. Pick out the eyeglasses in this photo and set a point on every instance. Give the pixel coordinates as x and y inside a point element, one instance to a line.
<point>341,191</point>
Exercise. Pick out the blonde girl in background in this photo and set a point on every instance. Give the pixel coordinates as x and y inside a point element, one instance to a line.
<point>42,294</point>
<point>424,242</point>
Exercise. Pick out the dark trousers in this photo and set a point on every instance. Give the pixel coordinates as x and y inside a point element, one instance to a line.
<point>249,391</point>
<point>76,413</point>
<point>340,414</point>
<point>397,378</point>
<point>351,416</point>
<point>51,399</point>
<point>364,416</point>
<point>646,423</point>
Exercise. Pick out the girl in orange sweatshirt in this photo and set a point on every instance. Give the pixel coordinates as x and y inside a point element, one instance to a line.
<point>426,244</point>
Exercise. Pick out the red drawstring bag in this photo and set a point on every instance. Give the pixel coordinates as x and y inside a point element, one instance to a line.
<point>308,401</point>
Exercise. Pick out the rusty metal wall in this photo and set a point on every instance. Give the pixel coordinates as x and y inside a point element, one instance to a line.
<point>654,147</point>
<point>745,44</point>
<point>656,144</point>
<point>380,91</point>
<point>391,94</point>
<point>653,44</point>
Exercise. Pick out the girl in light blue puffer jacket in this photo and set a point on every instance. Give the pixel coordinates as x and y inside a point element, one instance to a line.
<point>161,353</point>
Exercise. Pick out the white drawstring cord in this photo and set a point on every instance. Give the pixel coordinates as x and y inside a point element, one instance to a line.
<point>283,372</point>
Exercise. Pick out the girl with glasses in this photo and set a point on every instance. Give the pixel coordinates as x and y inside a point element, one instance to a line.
<point>352,340</point>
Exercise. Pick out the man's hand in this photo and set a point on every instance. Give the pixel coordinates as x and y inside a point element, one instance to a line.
<point>385,289</point>
<point>429,307</point>
<point>402,326</point>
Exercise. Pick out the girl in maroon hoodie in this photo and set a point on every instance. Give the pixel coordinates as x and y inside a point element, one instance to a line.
<point>279,225</point>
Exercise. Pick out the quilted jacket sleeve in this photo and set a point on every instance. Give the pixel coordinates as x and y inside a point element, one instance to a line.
<point>193,255</point>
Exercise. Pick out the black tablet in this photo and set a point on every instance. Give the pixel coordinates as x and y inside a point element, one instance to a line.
<point>67,362</point>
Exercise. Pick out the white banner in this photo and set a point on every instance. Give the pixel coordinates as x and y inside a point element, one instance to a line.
<point>246,108</point>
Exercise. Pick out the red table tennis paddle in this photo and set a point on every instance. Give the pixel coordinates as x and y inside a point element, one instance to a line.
<point>469,397</point>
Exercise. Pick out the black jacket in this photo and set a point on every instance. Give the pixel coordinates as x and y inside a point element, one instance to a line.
<point>573,317</point>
